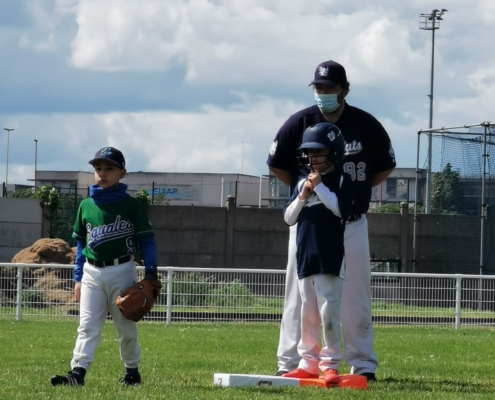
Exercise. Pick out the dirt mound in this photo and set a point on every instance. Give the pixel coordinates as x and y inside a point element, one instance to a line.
<point>46,251</point>
<point>44,286</point>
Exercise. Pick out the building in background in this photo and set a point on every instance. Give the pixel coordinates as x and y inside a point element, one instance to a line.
<point>187,189</point>
<point>398,187</point>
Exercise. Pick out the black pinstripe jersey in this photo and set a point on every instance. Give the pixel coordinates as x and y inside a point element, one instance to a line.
<point>368,148</point>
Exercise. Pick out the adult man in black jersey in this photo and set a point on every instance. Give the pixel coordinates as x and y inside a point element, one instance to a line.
<point>369,160</point>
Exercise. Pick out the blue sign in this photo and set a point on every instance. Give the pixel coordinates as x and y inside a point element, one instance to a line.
<point>172,192</point>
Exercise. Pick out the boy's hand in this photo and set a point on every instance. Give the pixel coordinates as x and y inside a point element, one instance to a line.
<point>314,178</point>
<point>306,190</point>
<point>77,291</point>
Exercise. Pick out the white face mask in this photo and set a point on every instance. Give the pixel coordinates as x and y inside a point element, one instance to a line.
<point>327,103</point>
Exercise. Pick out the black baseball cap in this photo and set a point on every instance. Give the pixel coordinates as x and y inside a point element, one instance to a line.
<point>110,154</point>
<point>329,73</point>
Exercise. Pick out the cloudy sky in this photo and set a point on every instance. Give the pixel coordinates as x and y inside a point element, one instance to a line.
<point>192,85</point>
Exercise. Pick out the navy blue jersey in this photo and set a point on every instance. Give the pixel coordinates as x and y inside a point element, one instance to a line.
<point>368,148</point>
<point>320,233</point>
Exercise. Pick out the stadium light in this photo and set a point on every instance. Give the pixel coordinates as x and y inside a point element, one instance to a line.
<point>430,22</point>
<point>7,163</point>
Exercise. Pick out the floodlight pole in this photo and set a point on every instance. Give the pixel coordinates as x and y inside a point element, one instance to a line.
<point>430,22</point>
<point>7,163</point>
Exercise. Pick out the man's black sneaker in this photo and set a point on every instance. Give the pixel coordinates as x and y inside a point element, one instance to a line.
<point>73,378</point>
<point>370,376</point>
<point>281,372</point>
<point>131,379</point>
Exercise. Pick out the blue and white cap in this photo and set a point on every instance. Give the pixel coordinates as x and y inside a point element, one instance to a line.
<point>109,154</point>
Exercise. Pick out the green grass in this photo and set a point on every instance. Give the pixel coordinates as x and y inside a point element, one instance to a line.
<point>178,362</point>
<point>275,306</point>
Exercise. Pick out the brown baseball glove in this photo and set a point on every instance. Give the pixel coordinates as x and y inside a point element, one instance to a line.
<point>135,302</point>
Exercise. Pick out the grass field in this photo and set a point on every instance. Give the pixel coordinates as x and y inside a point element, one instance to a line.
<point>269,306</point>
<point>178,362</point>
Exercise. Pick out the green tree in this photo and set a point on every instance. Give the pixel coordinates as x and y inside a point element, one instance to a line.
<point>143,196</point>
<point>161,199</point>
<point>446,192</point>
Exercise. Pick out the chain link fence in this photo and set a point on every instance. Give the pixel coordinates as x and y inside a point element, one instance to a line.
<point>45,292</point>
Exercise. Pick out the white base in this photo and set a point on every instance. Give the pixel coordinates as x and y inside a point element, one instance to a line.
<point>252,380</point>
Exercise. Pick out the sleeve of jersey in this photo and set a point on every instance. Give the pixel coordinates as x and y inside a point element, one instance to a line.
<point>79,262</point>
<point>147,245</point>
<point>382,151</point>
<point>283,147</point>
<point>142,226</point>
<point>79,232</point>
<point>328,198</point>
<point>293,207</point>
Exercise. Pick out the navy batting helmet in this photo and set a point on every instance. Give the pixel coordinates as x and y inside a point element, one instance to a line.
<point>324,136</point>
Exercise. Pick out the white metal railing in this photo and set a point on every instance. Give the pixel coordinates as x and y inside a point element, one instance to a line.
<point>45,291</point>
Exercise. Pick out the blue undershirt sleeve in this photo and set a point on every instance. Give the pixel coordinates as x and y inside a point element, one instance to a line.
<point>148,248</point>
<point>79,262</point>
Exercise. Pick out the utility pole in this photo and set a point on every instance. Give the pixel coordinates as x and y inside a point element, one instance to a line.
<point>430,22</point>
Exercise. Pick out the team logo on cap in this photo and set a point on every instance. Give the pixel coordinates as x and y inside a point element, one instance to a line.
<point>106,151</point>
<point>323,71</point>
<point>331,136</point>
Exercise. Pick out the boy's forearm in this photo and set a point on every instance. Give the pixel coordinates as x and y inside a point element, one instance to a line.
<point>292,212</point>
<point>148,248</point>
<point>328,198</point>
<point>79,261</point>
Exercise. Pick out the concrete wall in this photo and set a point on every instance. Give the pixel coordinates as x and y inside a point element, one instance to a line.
<point>236,237</point>
<point>257,238</point>
<point>20,225</point>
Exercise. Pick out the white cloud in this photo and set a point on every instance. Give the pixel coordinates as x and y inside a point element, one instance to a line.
<point>52,18</point>
<point>206,141</point>
<point>267,49</point>
<point>234,42</point>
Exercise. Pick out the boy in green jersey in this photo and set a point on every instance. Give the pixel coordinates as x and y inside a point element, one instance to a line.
<point>110,226</point>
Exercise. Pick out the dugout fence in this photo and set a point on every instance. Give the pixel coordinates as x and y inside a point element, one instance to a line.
<point>460,182</point>
<point>45,293</point>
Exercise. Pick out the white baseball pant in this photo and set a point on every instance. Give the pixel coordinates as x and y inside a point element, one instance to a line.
<point>320,297</point>
<point>100,287</point>
<point>355,312</point>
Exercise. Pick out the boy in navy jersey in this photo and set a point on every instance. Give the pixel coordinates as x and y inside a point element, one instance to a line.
<point>320,204</point>
<point>369,159</point>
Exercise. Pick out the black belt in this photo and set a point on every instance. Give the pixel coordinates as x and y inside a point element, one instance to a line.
<point>109,263</point>
<point>355,217</point>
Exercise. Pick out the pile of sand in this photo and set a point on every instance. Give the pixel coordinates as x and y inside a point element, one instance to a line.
<point>46,251</point>
<point>44,286</point>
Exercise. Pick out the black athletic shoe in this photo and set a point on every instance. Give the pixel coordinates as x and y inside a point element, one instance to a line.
<point>370,376</point>
<point>281,372</point>
<point>73,378</point>
<point>131,378</point>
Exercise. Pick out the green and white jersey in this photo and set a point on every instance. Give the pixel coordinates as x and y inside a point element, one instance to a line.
<point>110,231</point>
